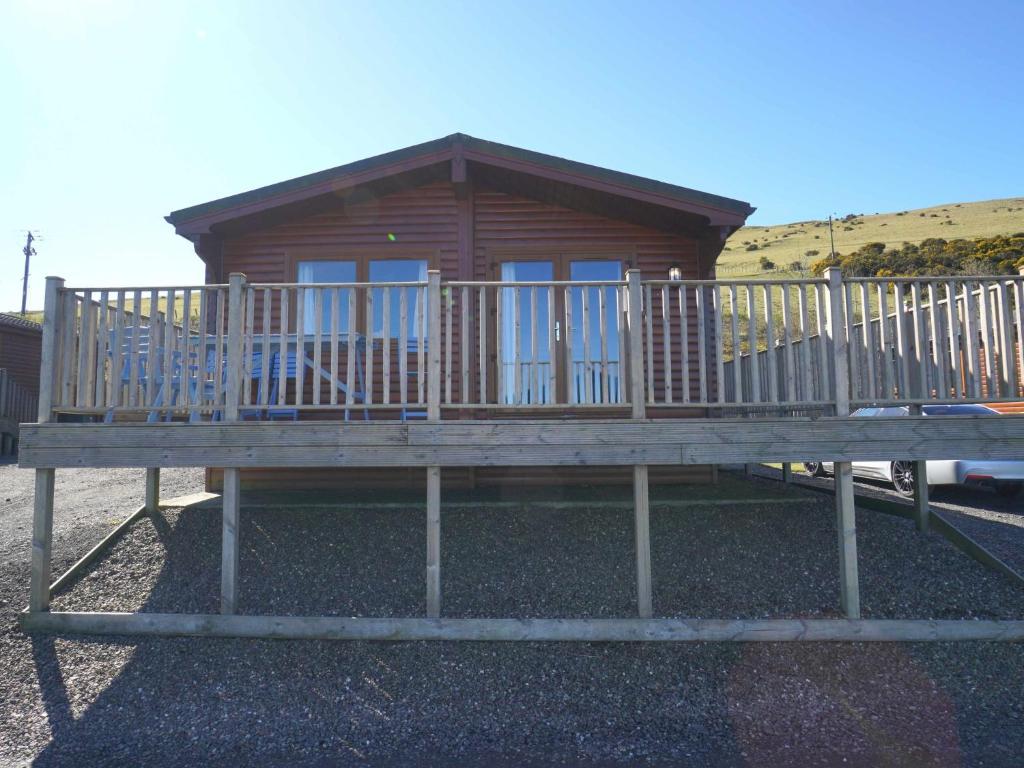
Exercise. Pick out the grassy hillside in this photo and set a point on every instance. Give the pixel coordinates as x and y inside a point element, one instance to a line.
<point>786,243</point>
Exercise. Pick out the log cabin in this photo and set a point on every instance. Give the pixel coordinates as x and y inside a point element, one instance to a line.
<point>472,309</point>
<point>476,211</point>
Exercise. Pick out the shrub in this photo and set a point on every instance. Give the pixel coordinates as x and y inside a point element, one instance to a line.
<point>752,247</point>
<point>810,254</point>
<point>765,263</point>
<point>796,266</point>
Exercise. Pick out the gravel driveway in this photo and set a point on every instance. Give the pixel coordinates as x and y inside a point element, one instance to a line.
<point>177,701</point>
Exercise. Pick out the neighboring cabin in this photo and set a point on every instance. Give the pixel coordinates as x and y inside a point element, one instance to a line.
<point>20,345</point>
<point>473,209</point>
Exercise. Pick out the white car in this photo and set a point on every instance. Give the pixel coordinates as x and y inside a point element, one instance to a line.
<point>1007,477</point>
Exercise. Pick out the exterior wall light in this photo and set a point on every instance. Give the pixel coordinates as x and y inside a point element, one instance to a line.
<point>675,272</point>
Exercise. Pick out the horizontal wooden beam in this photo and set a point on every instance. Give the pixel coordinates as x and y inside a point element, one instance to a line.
<point>600,630</point>
<point>521,443</point>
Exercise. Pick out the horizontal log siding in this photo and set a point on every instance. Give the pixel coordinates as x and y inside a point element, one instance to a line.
<point>19,353</point>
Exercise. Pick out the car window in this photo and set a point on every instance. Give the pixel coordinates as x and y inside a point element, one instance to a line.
<point>893,411</point>
<point>866,412</point>
<point>967,409</point>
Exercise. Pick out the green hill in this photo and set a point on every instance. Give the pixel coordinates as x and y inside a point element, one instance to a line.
<point>785,244</point>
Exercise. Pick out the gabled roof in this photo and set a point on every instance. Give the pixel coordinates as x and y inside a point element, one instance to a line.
<point>459,148</point>
<point>16,321</point>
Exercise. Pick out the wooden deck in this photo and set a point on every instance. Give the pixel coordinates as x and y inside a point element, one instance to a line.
<point>629,356</point>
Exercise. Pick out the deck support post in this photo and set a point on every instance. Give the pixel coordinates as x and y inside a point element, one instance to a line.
<point>921,509</point>
<point>846,525</point>
<point>787,472</point>
<point>846,519</point>
<point>433,542</point>
<point>42,542</point>
<point>229,542</point>
<point>152,490</point>
<point>748,470</point>
<point>641,501</point>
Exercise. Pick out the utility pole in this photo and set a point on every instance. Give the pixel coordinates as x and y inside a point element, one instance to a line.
<point>29,252</point>
<point>831,241</point>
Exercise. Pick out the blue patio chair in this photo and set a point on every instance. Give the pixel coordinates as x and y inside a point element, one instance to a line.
<point>166,392</point>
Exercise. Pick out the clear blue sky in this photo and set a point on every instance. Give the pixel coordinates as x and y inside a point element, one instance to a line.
<point>117,113</point>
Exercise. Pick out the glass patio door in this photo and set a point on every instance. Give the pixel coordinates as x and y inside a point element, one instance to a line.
<point>574,359</point>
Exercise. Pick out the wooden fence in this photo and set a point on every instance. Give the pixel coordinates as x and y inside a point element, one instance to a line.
<point>371,349</point>
<point>17,405</point>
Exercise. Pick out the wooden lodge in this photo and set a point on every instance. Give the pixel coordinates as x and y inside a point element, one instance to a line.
<point>467,312</point>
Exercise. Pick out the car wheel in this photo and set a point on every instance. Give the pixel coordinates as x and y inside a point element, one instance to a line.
<point>903,477</point>
<point>1008,490</point>
<point>814,468</point>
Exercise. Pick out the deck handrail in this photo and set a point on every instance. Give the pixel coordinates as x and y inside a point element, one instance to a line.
<point>417,348</point>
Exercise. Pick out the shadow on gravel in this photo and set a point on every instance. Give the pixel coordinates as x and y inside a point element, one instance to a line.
<point>179,701</point>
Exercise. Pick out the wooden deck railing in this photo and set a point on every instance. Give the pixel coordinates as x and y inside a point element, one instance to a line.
<point>417,349</point>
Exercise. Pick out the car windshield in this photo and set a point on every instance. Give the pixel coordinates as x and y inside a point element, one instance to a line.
<point>956,410</point>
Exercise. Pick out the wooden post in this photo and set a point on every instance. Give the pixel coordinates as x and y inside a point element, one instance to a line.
<point>232,479</point>
<point>48,356</point>
<point>229,548</point>
<point>434,345</point>
<point>748,470</point>
<point>42,515</point>
<point>433,542</point>
<point>152,490</point>
<point>846,522</point>
<point>641,503</point>
<point>787,472</point>
<point>42,541</point>
<point>236,305</point>
<point>846,525</point>
<point>634,318</point>
<point>921,502</point>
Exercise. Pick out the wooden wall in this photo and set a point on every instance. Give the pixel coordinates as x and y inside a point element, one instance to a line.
<point>487,223</point>
<point>19,353</point>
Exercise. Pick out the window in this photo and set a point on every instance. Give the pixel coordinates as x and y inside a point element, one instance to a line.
<point>365,269</point>
<point>326,272</point>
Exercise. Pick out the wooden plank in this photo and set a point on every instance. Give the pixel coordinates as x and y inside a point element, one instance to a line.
<point>157,342</point>
<point>170,349</point>
<point>755,372</point>
<point>970,340</point>
<point>534,377</point>
<point>282,350</point>
<point>953,333</point>
<point>571,382</point>
<point>588,365</point>
<point>69,326</point>
<point>921,508</point>
<point>1007,368</point>
<point>788,364</point>
<point>230,530</point>
<point>552,384</point>
<point>869,342</point>
<point>737,346</point>
<point>351,349</point>
<point>247,345</point>
<point>448,298</point>
<point>421,334</point>
<point>318,314</point>
<point>236,297</point>
<point>839,339</point>
<point>921,352</point>
<point>719,343</point>
<point>403,346</point>
<point>433,542</point>
<point>100,393</point>
<point>203,351</point>
<point>42,542</point>
<point>702,349</point>
<point>84,339</point>
<point>152,489</point>
<point>987,346</point>
<point>482,332</point>
<point>821,320</point>
<point>636,345</point>
<point>846,527</point>
<point>466,348</point>
<point>647,313</point>
<point>641,502</point>
<point>805,343</point>
<point>938,342</point>
<point>93,554</point>
<point>770,354</point>
<point>48,348</point>
<point>684,342</point>
<point>433,301</point>
<point>385,359</point>
<point>265,368</point>
<point>666,342</point>
<point>1018,301</point>
<point>368,369</point>
<point>548,630</point>
<point>602,329</point>
<point>300,345</point>
<point>221,355</point>
<point>884,342</point>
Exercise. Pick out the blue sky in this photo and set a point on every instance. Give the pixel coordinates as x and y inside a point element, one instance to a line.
<point>117,113</point>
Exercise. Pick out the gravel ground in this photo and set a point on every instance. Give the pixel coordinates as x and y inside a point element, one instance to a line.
<point>173,701</point>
